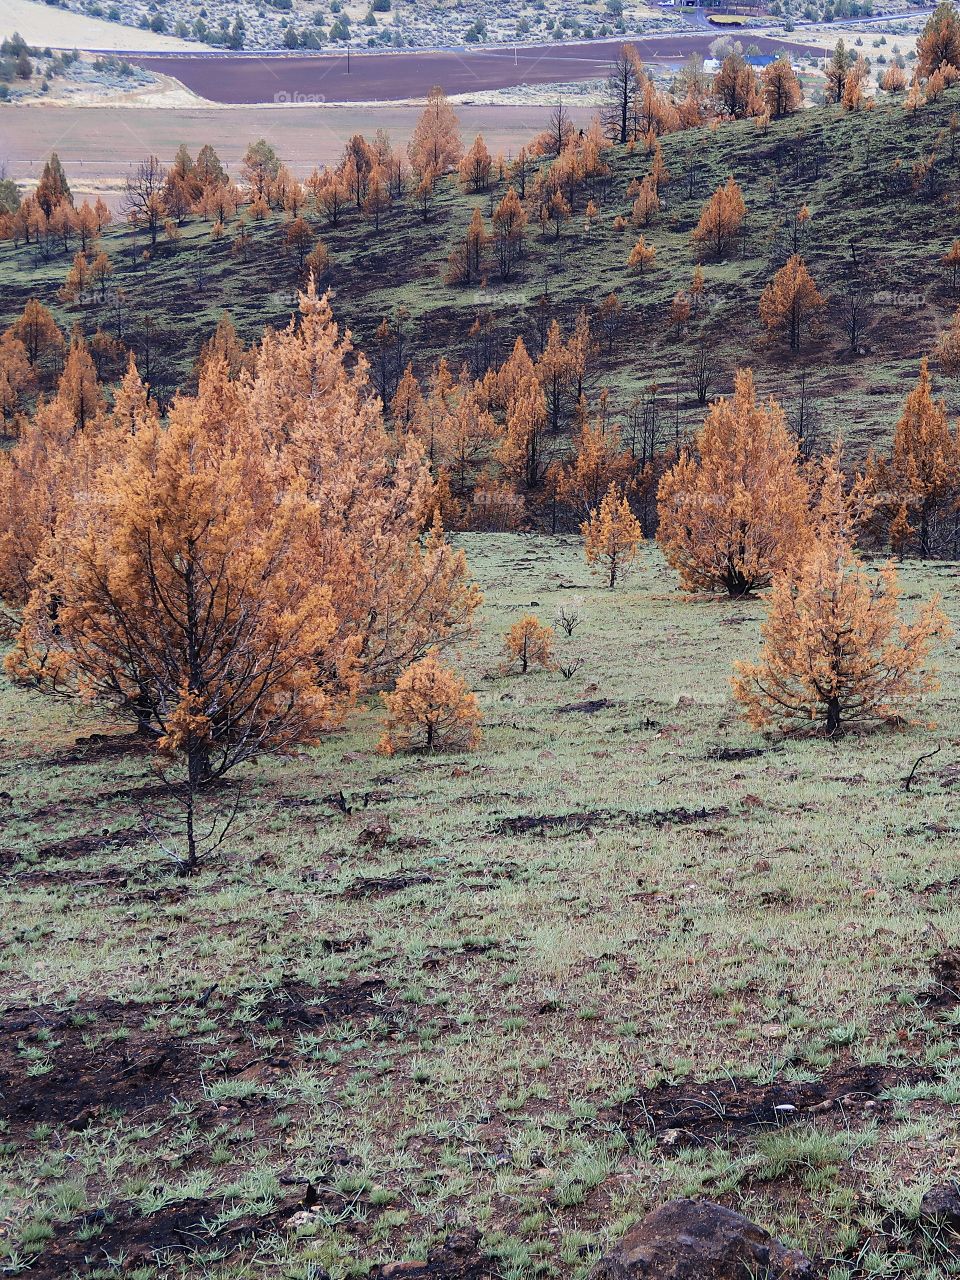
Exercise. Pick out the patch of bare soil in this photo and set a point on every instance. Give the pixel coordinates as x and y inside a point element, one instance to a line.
<point>692,1115</point>
<point>295,1004</point>
<point>526,824</point>
<point>458,1258</point>
<point>109,877</point>
<point>586,708</point>
<point>735,753</point>
<point>377,886</point>
<point>945,991</point>
<point>69,1069</point>
<point>102,746</point>
<point>681,816</point>
<point>175,1231</point>
<point>73,1068</point>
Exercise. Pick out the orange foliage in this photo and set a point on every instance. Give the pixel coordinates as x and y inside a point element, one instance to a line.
<point>790,299</point>
<point>612,537</point>
<point>918,485</point>
<point>835,652</point>
<point>599,463</point>
<point>939,41</point>
<point>430,709</point>
<point>283,511</point>
<point>528,644</point>
<point>781,88</point>
<point>436,145</point>
<point>642,255</point>
<point>185,596</point>
<point>730,520</point>
<point>721,218</point>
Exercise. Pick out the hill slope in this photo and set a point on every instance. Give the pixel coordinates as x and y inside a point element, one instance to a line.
<point>881,186</point>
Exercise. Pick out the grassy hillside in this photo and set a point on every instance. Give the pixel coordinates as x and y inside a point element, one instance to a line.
<point>873,229</point>
<point>533,991</point>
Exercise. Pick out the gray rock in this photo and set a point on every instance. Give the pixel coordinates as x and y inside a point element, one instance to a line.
<point>941,1206</point>
<point>699,1240</point>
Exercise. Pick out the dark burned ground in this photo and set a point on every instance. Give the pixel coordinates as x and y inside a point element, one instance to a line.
<point>111,1059</point>
<point>108,1064</point>
<point>696,1114</point>
<point>477,1015</point>
<point>91,1074</point>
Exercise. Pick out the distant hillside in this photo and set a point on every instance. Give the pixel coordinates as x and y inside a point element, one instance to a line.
<point>881,187</point>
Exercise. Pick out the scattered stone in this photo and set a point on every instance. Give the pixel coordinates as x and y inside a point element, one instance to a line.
<point>699,1240</point>
<point>941,1206</point>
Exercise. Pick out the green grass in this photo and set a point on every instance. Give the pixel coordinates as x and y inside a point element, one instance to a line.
<point>868,226</point>
<point>491,1023</point>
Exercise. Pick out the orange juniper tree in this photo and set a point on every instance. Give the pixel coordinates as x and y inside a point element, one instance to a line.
<point>476,166</point>
<point>430,709</point>
<point>781,88</point>
<point>522,451</point>
<point>948,347</point>
<point>646,205</point>
<point>680,309</point>
<point>835,652</point>
<point>78,389</point>
<point>735,514</point>
<point>436,145</point>
<point>36,328</point>
<point>557,372</point>
<point>397,589</point>
<point>528,644</point>
<point>642,255</point>
<point>939,41</point>
<point>182,592</point>
<point>599,462</point>
<point>612,537</point>
<point>31,496</point>
<point>735,85</point>
<point>790,300</point>
<point>16,375</point>
<point>951,259</point>
<point>721,218</point>
<point>276,520</point>
<point>509,221</point>
<point>918,485</point>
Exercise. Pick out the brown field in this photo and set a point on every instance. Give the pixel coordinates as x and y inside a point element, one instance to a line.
<point>100,145</point>
<point>242,78</point>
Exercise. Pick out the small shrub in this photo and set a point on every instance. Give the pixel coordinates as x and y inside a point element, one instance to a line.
<point>431,709</point>
<point>529,644</point>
